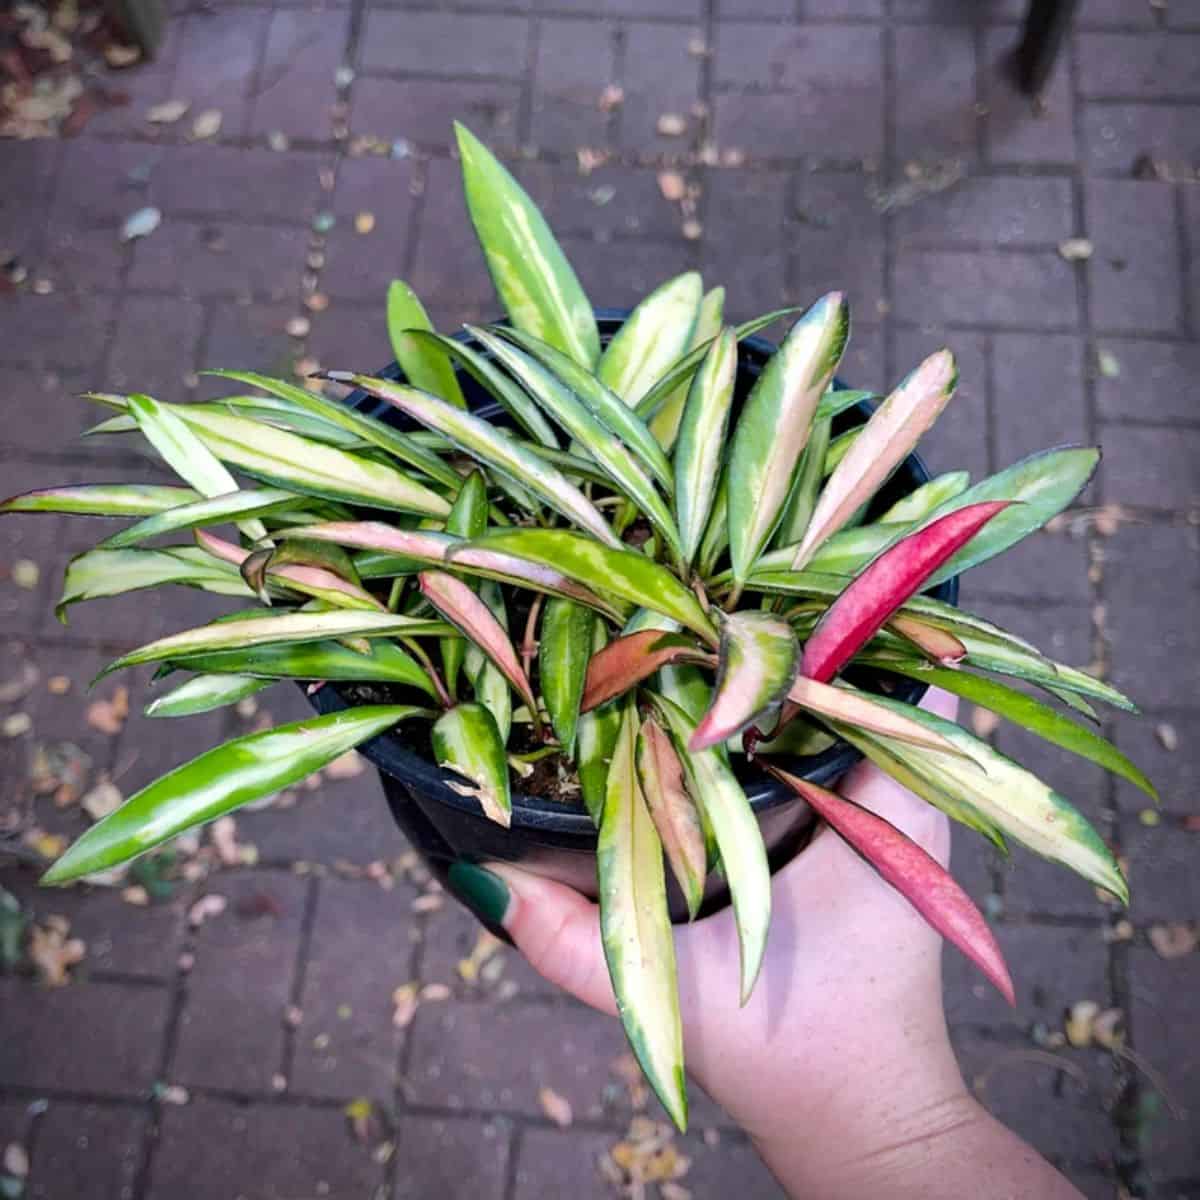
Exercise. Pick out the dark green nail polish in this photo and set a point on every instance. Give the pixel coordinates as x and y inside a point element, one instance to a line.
<point>484,893</point>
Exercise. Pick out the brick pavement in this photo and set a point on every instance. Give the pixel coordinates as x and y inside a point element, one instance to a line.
<point>848,115</point>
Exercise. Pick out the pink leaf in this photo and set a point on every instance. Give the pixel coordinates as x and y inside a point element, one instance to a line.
<point>463,609</point>
<point>628,660</point>
<point>891,579</point>
<point>920,879</point>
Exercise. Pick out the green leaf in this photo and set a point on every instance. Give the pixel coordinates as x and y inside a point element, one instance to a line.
<point>839,400</point>
<point>384,662</point>
<point>651,338</point>
<point>701,444</point>
<point>806,487</point>
<point>606,406</point>
<point>218,510</point>
<point>273,630</point>
<point>926,499</point>
<point>563,652</point>
<point>715,789</point>
<point>279,457</point>
<point>636,929</point>
<point>402,446</point>
<point>203,693</point>
<point>759,657</point>
<point>596,736</point>
<point>491,688</point>
<point>775,424</point>
<point>98,573</point>
<point>467,519</point>
<point>709,322</point>
<point>498,385</point>
<point>716,532</point>
<point>619,572</point>
<point>681,371</point>
<point>614,458</point>
<point>423,366</point>
<point>673,812</point>
<point>533,279</point>
<point>219,781</point>
<point>102,499</point>
<point>486,443</point>
<point>1044,484</point>
<point>466,741</point>
<point>884,442</point>
<point>1019,803</point>
<point>1030,714</point>
<point>186,454</point>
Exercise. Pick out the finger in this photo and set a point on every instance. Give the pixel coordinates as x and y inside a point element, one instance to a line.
<point>553,926</point>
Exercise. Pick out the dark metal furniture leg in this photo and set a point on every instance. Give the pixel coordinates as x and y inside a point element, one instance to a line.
<point>1046,25</point>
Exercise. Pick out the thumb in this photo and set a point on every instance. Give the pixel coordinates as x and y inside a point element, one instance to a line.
<point>552,925</point>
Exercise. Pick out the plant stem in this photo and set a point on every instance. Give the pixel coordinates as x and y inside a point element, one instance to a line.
<point>430,670</point>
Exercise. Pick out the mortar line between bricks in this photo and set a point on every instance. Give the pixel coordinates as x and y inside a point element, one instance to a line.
<point>533,41</point>
<point>416,222</point>
<point>176,1004</point>
<point>308,920</point>
<point>1118,980</point>
<point>253,86</point>
<point>516,1140</point>
<point>1182,233</point>
<point>887,219</point>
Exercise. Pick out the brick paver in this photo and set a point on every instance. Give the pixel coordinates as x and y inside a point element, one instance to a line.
<point>873,145</point>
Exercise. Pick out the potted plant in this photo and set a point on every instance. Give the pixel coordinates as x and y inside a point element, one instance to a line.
<point>616,596</point>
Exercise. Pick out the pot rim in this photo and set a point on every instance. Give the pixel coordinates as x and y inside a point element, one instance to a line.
<point>390,754</point>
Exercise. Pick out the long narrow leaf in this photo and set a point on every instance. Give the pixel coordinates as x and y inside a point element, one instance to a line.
<point>235,506</point>
<point>485,443</point>
<point>533,279</point>
<point>605,405</point>
<point>759,658</point>
<point>220,781</point>
<point>886,440</point>
<point>596,735</point>
<point>563,405</point>
<point>423,366</point>
<point>917,876</point>
<point>625,662</point>
<point>709,322</point>
<point>673,811</point>
<point>465,740</point>
<point>619,572</point>
<point>718,794</point>
<point>102,499</point>
<point>463,609</point>
<point>928,498</point>
<point>274,630</point>
<point>564,650</point>
<point>806,488</point>
<point>653,336</point>
<point>204,693</point>
<point>635,927</point>
<point>775,424</point>
<point>701,444</point>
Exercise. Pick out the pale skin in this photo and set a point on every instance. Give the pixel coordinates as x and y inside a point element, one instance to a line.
<point>839,1068</point>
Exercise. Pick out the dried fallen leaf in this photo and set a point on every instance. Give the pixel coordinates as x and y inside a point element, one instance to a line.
<point>984,722</point>
<point>207,124</point>
<point>1076,249</point>
<point>316,302</point>
<point>671,125</point>
<point>49,845</point>
<point>21,684</point>
<point>612,97</point>
<point>1108,1028</point>
<point>404,1005</point>
<point>297,327</point>
<point>359,1113</point>
<point>1078,1025</point>
<point>434,992</point>
<point>486,945</point>
<point>168,112</point>
<point>141,223</point>
<point>58,685</point>
<point>364,222</point>
<point>16,724</point>
<point>108,716</point>
<point>53,953</point>
<point>349,766</point>
<point>208,906</point>
<point>172,1093</point>
<point>429,902</point>
<point>118,56</point>
<point>16,1160</point>
<point>1168,738</point>
<point>672,185</point>
<point>104,798</point>
<point>556,1107</point>
<point>1174,940</point>
<point>136,895</point>
<point>692,230</point>
<point>1109,364</point>
<point>25,574</point>
<point>223,835</point>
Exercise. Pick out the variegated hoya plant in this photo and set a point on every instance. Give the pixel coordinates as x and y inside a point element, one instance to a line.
<point>629,571</point>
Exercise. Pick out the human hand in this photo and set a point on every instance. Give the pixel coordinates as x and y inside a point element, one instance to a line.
<point>839,1066</point>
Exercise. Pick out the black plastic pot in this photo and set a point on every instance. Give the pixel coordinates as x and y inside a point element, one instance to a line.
<point>558,839</point>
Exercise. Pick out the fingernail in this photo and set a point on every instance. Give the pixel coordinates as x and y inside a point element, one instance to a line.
<point>482,891</point>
